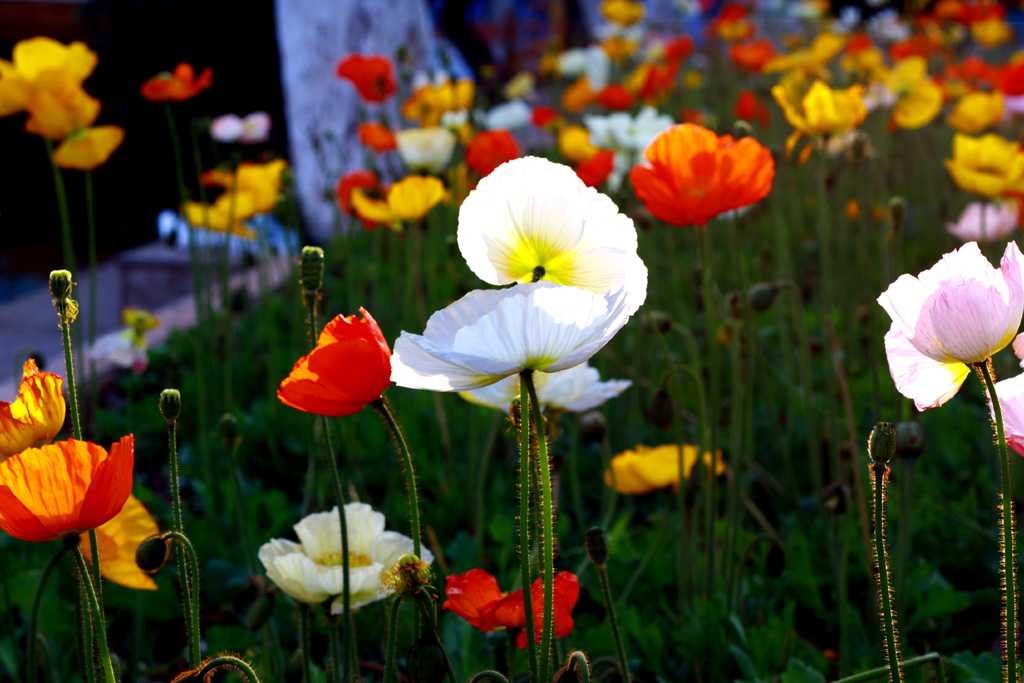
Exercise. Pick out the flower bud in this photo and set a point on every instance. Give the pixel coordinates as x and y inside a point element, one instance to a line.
<point>882,443</point>
<point>596,542</point>
<point>741,129</point>
<point>259,612</point>
<point>60,284</point>
<point>761,296</point>
<point>662,409</point>
<point>593,426</point>
<point>170,404</point>
<point>911,439</point>
<point>897,212</point>
<point>311,270</point>
<point>152,553</point>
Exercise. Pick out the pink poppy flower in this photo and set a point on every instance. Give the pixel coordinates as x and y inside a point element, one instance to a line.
<point>958,312</point>
<point>1000,219</point>
<point>1011,400</point>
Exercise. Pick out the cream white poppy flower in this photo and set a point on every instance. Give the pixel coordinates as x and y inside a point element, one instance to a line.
<point>574,390</point>
<point>425,149</point>
<point>311,571</point>
<point>493,333</point>
<point>534,217</point>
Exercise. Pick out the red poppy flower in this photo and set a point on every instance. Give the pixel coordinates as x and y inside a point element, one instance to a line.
<point>1011,80</point>
<point>914,46</point>
<point>658,80</point>
<point>178,86</point>
<point>490,149</point>
<point>475,597</point>
<point>373,76</point>
<point>679,48</point>
<point>615,97</point>
<point>859,43</point>
<point>595,170</point>
<point>543,116</point>
<point>349,369</point>
<point>750,107</point>
<point>377,137</point>
<point>692,175</point>
<point>752,56</point>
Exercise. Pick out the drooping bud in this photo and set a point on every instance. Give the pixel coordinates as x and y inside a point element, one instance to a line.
<point>911,439</point>
<point>656,321</point>
<point>593,426</point>
<point>170,404</point>
<point>152,554</point>
<point>882,443</point>
<point>311,270</point>
<point>596,542</point>
<point>761,296</point>
<point>60,284</point>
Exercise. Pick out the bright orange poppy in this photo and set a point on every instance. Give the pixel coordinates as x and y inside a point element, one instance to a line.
<point>490,149</point>
<point>595,170</point>
<point>691,175</point>
<point>118,540</point>
<point>64,489</point>
<point>360,178</point>
<point>349,369</point>
<point>731,24</point>
<point>752,56</point>
<point>373,76</point>
<point>179,86</point>
<point>377,137</point>
<point>36,416</point>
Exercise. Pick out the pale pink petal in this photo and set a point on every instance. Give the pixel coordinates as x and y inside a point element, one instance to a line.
<point>255,128</point>
<point>990,221</point>
<point>1011,400</point>
<point>227,128</point>
<point>907,303</point>
<point>929,383</point>
<point>1018,348</point>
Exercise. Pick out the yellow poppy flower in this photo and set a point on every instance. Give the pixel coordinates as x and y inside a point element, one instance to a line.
<point>975,112</point>
<point>813,59</point>
<point>619,49</point>
<point>36,416</point>
<point>38,65</point>
<point>821,111</point>
<point>88,148</point>
<point>647,469</point>
<point>867,64</point>
<point>574,143</point>
<point>429,102</point>
<point>410,199</point>
<point>224,215</point>
<point>918,98</point>
<point>991,32</point>
<point>261,181</point>
<point>118,540</point>
<point>622,12</point>
<point>991,166</point>
<point>58,112</point>
<point>578,96</point>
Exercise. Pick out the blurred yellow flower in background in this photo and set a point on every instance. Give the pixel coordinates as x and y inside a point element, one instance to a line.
<point>88,148</point>
<point>574,143</point>
<point>410,199</point>
<point>991,32</point>
<point>991,166</point>
<point>40,65</point>
<point>975,112</point>
<point>813,59</point>
<point>821,111</point>
<point>429,102</point>
<point>918,98</point>
<point>622,12</point>
<point>647,469</point>
<point>578,96</point>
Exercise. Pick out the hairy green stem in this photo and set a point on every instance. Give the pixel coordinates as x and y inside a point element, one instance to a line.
<point>613,620</point>
<point>348,645</point>
<point>94,606</point>
<point>305,642</point>
<point>392,642</point>
<point>190,590</point>
<point>33,621</point>
<point>881,671</point>
<point>230,662</point>
<point>879,478</point>
<point>524,521</point>
<point>383,408</point>
<point>487,675</point>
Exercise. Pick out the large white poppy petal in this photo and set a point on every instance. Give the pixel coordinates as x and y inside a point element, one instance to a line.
<point>298,576</point>
<point>928,382</point>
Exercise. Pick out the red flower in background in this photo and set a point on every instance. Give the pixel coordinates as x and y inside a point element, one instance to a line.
<point>658,80</point>
<point>752,56</point>
<point>349,369</point>
<point>181,85</point>
<point>1011,79</point>
<point>615,97</point>
<point>373,76</point>
<point>750,107</point>
<point>544,116</point>
<point>475,597</point>
<point>678,49</point>
<point>914,46</point>
<point>362,179</point>
<point>376,137</point>
<point>595,170</point>
<point>490,149</point>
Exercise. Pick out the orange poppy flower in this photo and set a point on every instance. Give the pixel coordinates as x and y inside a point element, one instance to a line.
<point>118,540</point>
<point>577,96</point>
<point>752,56</point>
<point>65,488</point>
<point>36,416</point>
<point>750,107</point>
<point>731,24</point>
<point>657,80</point>
<point>349,369</point>
<point>691,175</point>
<point>179,86</point>
<point>377,137</point>
<point>595,170</point>
<point>490,149</point>
<point>615,97</point>
<point>475,597</point>
<point>373,76</point>
<point>914,46</point>
<point>88,148</point>
<point>361,178</point>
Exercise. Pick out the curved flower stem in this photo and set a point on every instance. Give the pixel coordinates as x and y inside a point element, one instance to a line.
<point>582,665</point>
<point>871,674</point>
<point>487,675</point>
<point>228,661</point>
<point>94,605</point>
<point>33,621</point>
<point>524,519</point>
<point>383,408</point>
<point>879,478</point>
<point>177,525</point>
<point>1009,552</point>
<point>392,643</point>
<point>548,522</point>
<point>190,589</point>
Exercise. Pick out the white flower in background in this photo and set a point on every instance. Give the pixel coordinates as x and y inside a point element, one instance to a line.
<point>425,149</point>
<point>575,390</point>
<point>128,348</point>
<point>887,27</point>
<point>534,217</point>
<point>455,120</point>
<point>878,96</point>
<point>849,19</point>
<point>508,116</point>
<point>573,62</point>
<point>627,135</point>
<point>254,128</point>
<point>985,221</point>
<point>805,10</point>
<point>490,334</point>
<point>311,571</point>
<point>634,33</point>
<point>592,62</point>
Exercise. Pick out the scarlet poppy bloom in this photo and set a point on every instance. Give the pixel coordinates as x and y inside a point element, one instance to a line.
<point>65,488</point>
<point>475,597</point>
<point>615,97</point>
<point>358,179</point>
<point>752,56</point>
<point>691,175</point>
<point>178,86</point>
<point>349,369</point>
<point>595,170</point>
<point>914,46</point>
<point>490,149</point>
<point>36,416</point>
<point>543,116</point>
<point>679,48</point>
<point>750,107</point>
<point>373,76</point>
<point>377,137</point>
<point>658,80</point>
<point>1011,80</point>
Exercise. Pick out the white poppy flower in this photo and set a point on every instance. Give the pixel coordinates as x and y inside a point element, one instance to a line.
<point>425,149</point>
<point>509,116</point>
<point>231,128</point>
<point>311,571</point>
<point>532,213</point>
<point>575,390</point>
<point>490,334</point>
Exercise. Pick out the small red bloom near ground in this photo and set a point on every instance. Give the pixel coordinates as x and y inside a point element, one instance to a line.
<point>179,86</point>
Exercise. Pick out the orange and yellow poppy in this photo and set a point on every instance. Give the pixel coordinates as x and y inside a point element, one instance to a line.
<point>37,414</point>
<point>118,540</point>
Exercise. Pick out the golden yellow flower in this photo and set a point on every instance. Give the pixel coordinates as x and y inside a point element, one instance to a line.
<point>991,166</point>
<point>261,181</point>
<point>867,64</point>
<point>991,32</point>
<point>578,96</point>
<point>429,102</point>
<point>60,111</point>
<point>410,199</point>
<point>118,540</point>
<point>619,49</point>
<point>693,79</point>
<point>975,112</point>
<point>37,414</point>
<point>647,469</point>
<point>574,143</point>
<point>622,12</point>
<point>813,59</point>
<point>38,65</point>
<point>88,148</point>
<point>918,98</point>
<point>821,111</point>
<point>521,85</point>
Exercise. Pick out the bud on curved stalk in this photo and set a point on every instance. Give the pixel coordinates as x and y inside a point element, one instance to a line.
<point>881,448</point>
<point>152,554</point>
<point>596,542</point>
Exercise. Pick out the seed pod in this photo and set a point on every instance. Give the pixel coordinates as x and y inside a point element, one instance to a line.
<point>761,296</point>
<point>596,542</point>
<point>911,439</point>
<point>311,270</point>
<point>882,443</point>
<point>593,426</point>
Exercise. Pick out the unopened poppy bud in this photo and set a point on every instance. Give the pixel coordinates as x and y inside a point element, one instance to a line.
<point>170,404</point>
<point>152,554</point>
<point>897,212</point>
<point>60,284</point>
<point>911,439</point>
<point>741,129</point>
<point>761,296</point>
<point>596,542</point>
<point>882,443</point>
<point>661,409</point>
<point>259,613</point>
<point>593,426</point>
<point>656,321</point>
<point>427,660</point>
<point>732,303</point>
<point>228,427</point>
<point>311,271</point>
